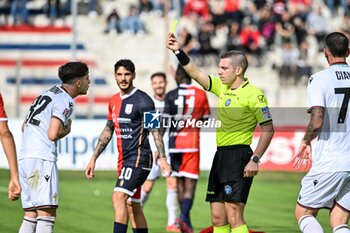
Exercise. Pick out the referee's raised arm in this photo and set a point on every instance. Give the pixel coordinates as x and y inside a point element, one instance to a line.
<point>191,69</point>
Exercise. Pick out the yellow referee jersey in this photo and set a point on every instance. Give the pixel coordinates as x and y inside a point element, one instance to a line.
<point>239,111</point>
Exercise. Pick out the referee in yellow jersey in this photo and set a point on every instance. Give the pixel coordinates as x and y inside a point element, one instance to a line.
<point>241,107</point>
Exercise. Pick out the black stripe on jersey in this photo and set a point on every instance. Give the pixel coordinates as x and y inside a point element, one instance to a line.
<point>268,122</point>
<point>245,84</point>
<point>210,83</point>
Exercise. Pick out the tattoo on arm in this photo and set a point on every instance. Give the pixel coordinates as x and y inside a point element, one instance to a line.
<point>104,139</point>
<point>158,140</point>
<point>315,125</point>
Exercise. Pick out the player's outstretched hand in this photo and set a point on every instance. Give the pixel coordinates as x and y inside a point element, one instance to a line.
<point>165,167</point>
<point>14,191</point>
<point>172,42</point>
<point>90,170</point>
<point>303,156</point>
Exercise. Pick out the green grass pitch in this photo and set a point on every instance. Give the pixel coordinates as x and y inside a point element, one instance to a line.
<point>85,205</point>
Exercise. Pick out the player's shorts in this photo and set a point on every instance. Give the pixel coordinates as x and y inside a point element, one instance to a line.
<point>322,190</point>
<point>185,164</point>
<point>39,182</point>
<point>226,182</point>
<point>130,181</point>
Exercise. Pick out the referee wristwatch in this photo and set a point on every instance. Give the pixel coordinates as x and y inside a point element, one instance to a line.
<point>255,159</point>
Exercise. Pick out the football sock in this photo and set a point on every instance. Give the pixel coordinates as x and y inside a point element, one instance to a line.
<point>120,227</point>
<point>144,198</point>
<point>309,224</point>
<point>185,211</point>
<point>222,229</point>
<point>45,224</point>
<point>240,229</point>
<point>140,230</point>
<point>341,229</point>
<point>171,204</point>
<point>28,225</point>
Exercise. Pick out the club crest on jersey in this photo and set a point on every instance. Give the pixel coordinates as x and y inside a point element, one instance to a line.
<point>227,102</point>
<point>228,189</point>
<point>128,108</point>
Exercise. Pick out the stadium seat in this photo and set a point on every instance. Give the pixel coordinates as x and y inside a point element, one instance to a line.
<point>27,46</point>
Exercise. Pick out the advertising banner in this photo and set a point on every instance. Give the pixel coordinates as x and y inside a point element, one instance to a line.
<point>75,150</point>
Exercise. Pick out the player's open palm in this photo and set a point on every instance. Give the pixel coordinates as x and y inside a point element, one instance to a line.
<point>303,156</point>
<point>90,170</point>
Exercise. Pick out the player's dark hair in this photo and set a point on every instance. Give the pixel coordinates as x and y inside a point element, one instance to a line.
<point>128,64</point>
<point>238,58</point>
<point>182,76</point>
<point>161,74</point>
<point>71,71</point>
<point>337,43</point>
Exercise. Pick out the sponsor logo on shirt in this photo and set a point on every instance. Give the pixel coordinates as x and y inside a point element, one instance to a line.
<point>261,98</point>
<point>124,136</point>
<point>123,120</point>
<point>227,102</point>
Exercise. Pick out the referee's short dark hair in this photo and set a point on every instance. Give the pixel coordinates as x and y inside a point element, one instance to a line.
<point>161,74</point>
<point>72,70</point>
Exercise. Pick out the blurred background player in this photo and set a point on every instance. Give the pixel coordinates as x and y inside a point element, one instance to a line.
<point>185,103</point>
<point>159,83</point>
<point>48,120</point>
<point>126,117</point>
<point>9,147</point>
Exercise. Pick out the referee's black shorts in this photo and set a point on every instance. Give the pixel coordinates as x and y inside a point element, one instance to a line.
<point>226,182</point>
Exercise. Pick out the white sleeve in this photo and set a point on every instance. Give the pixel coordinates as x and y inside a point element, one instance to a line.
<point>63,110</point>
<point>315,93</point>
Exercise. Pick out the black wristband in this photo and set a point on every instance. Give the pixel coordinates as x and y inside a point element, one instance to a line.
<point>182,57</point>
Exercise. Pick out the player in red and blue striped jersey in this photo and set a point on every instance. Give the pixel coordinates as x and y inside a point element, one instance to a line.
<point>126,117</point>
<point>186,103</point>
